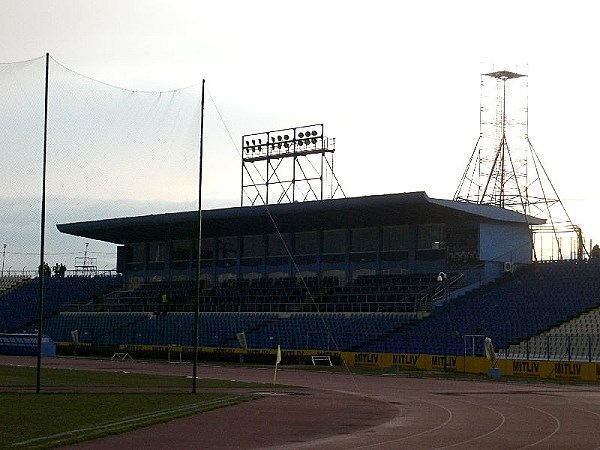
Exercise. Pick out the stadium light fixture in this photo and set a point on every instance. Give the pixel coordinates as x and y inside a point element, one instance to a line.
<point>267,146</point>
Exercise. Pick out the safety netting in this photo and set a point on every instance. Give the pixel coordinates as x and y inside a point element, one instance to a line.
<point>111,152</point>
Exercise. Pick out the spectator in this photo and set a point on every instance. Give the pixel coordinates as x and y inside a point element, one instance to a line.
<point>164,303</point>
<point>45,270</point>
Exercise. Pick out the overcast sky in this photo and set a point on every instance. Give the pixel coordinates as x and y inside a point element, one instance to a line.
<point>396,83</point>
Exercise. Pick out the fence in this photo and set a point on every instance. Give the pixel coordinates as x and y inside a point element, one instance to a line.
<point>557,347</point>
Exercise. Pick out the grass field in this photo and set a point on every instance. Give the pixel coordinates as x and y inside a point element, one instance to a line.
<point>80,405</point>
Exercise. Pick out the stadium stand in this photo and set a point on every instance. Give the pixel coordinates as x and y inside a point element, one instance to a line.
<point>535,304</point>
<point>18,307</point>
<point>575,340</point>
<point>7,283</point>
<point>328,331</point>
<point>518,306</point>
<point>373,293</point>
<point>25,344</point>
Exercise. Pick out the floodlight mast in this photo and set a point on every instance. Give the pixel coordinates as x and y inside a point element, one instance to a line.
<point>290,164</point>
<point>512,176</point>
<point>499,176</point>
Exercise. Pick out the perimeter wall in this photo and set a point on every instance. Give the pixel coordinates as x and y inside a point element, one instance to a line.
<point>535,369</point>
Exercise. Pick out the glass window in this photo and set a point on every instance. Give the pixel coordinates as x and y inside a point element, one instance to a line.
<point>306,243</point>
<point>227,247</point>
<point>137,252</point>
<point>156,252</point>
<point>334,241</point>
<point>252,246</point>
<point>207,250</point>
<point>182,250</point>
<point>364,240</point>
<point>394,238</point>
<point>277,244</point>
<point>430,237</point>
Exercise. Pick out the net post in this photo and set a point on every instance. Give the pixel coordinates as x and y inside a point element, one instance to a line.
<point>198,268</point>
<point>41,273</point>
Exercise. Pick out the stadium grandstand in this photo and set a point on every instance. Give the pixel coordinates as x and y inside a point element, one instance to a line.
<point>401,273</point>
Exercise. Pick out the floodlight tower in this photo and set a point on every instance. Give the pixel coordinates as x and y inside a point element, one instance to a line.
<point>289,165</point>
<point>504,169</point>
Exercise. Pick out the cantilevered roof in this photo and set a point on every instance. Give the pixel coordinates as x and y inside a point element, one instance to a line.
<point>504,74</point>
<point>374,210</point>
<point>489,211</point>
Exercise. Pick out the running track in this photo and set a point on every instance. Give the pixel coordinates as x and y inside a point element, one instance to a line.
<point>345,411</point>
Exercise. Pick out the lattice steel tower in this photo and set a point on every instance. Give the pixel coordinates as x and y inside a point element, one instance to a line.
<point>504,169</point>
<point>288,165</point>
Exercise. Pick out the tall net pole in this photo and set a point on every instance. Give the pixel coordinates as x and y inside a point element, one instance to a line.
<point>199,267</point>
<point>42,237</point>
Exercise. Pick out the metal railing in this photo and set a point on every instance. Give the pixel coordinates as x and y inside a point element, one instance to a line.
<point>557,347</point>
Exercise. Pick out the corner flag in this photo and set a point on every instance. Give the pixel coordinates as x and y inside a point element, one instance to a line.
<point>277,361</point>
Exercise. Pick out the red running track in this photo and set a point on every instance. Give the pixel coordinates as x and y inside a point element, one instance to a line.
<point>346,411</point>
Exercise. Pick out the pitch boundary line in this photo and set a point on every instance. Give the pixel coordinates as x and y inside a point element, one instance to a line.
<point>126,422</point>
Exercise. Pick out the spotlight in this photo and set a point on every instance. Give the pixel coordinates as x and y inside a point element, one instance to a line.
<point>279,138</point>
<point>301,135</point>
<point>314,132</point>
<point>286,137</point>
<point>313,140</point>
<point>307,141</point>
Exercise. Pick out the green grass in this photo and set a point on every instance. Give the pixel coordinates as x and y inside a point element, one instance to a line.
<point>51,420</point>
<point>13,376</point>
<point>56,417</point>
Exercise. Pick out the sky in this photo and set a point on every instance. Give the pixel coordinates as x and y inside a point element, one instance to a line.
<point>396,83</point>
